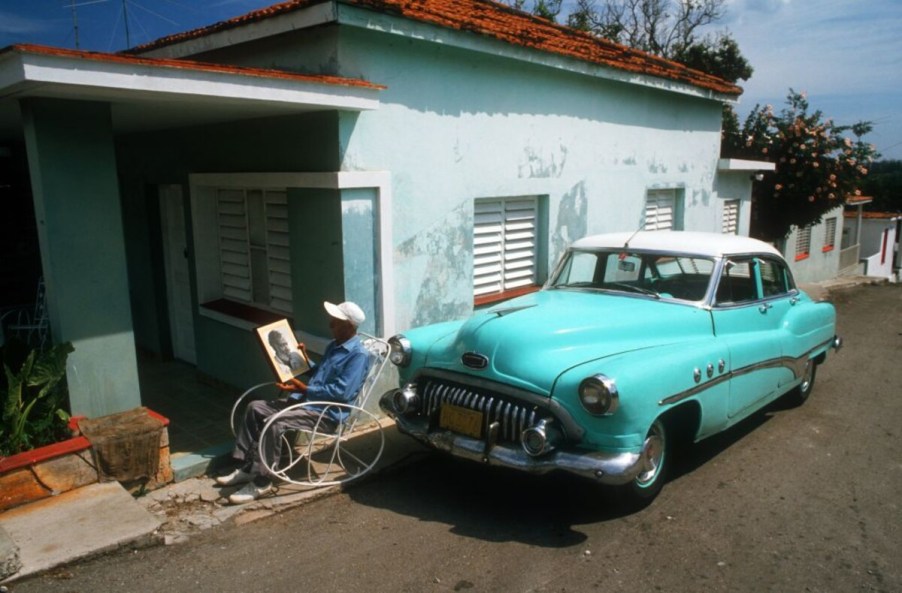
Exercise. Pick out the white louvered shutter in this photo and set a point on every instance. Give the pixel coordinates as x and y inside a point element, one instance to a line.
<point>660,207</point>
<point>504,244</point>
<point>277,250</point>
<point>731,217</point>
<point>830,233</point>
<point>254,248</point>
<point>803,242</point>
<point>234,255</point>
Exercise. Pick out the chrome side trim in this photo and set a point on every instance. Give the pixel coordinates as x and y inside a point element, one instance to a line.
<point>796,365</point>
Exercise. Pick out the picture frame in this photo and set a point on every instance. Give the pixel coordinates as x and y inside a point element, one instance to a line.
<point>281,348</point>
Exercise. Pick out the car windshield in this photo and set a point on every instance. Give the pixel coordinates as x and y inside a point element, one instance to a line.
<point>652,274</point>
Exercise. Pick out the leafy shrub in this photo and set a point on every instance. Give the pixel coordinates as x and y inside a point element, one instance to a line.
<point>33,398</point>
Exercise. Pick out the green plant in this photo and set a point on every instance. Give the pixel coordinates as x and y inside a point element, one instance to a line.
<point>34,399</point>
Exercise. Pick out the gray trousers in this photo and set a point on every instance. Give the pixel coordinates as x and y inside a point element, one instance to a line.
<point>255,417</point>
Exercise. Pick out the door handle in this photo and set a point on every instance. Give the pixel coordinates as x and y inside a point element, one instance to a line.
<point>764,307</point>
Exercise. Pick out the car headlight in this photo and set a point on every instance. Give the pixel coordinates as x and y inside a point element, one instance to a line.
<point>598,395</point>
<point>400,350</point>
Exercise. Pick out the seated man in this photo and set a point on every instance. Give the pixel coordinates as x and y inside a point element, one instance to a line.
<point>337,378</point>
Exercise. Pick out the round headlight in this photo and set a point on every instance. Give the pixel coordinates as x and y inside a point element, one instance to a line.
<point>598,395</point>
<point>400,350</point>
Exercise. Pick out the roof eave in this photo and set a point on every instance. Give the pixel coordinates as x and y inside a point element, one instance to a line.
<point>28,70</point>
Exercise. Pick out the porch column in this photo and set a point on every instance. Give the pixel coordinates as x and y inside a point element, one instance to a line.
<point>72,163</point>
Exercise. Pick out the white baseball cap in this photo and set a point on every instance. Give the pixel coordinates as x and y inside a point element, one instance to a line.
<point>347,311</point>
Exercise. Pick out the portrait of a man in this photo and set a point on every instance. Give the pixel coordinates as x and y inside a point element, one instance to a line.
<point>282,348</point>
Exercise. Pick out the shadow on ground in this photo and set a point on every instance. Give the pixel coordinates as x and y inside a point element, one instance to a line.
<point>495,504</point>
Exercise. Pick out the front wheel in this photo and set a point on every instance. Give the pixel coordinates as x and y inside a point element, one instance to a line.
<point>655,462</point>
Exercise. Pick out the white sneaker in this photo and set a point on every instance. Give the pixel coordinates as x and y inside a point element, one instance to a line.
<point>249,492</point>
<point>238,476</point>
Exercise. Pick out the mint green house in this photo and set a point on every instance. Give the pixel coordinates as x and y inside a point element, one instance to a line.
<point>420,158</point>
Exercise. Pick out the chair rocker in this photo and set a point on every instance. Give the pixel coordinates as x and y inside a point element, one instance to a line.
<point>324,454</point>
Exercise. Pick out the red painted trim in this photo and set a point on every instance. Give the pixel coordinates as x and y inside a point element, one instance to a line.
<point>159,417</point>
<point>503,296</point>
<point>243,311</point>
<point>73,445</point>
<point>827,248</point>
<point>26,458</point>
<point>801,256</point>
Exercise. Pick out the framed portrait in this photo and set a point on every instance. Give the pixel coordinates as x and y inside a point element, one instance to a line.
<point>281,347</point>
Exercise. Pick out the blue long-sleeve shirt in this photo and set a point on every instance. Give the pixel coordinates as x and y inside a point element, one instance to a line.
<point>339,376</point>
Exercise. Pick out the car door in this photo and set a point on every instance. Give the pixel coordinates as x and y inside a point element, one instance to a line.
<point>779,299</point>
<point>748,323</point>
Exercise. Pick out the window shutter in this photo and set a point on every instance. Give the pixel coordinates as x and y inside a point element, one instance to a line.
<point>803,242</point>
<point>830,234</point>
<point>277,251</point>
<point>659,210</point>
<point>233,245</point>
<point>504,244</point>
<point>254,247</point>
<point>731,217</point>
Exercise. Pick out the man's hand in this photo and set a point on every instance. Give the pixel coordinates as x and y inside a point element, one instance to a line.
<point>303,348</point>
<point>293,385</point>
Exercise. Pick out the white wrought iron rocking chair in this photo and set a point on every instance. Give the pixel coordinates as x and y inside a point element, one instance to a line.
<point>319,456</point>
<point>28,323</point>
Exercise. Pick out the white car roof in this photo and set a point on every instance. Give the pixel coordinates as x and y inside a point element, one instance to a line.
<point>684,242</point>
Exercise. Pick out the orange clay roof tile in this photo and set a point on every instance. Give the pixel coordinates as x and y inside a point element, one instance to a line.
<point>498,21</point>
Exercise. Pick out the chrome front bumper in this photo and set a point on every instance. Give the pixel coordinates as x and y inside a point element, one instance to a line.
<point>604,468</point>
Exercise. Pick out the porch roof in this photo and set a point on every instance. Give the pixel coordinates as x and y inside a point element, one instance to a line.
<point>153,93</point>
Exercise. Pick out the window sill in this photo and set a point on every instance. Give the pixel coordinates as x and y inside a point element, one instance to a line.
<point>801,256</point>
<point>488,299</point>
<point>827,248</point>
<point>238,314</point>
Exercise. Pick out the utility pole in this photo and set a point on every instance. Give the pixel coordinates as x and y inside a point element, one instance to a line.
<point>128,40</point>
<point>75,23</point>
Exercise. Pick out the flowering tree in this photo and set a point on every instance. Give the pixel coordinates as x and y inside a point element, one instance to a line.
<point>818,166</point>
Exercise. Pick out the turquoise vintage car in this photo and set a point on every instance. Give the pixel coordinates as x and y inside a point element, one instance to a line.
<point>635,342</point>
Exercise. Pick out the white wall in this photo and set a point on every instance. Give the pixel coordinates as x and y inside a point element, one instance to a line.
<point>879,243</point>
<point>454,126</point>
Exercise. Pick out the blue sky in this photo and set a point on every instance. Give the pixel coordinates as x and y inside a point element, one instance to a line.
<point>845,54</point>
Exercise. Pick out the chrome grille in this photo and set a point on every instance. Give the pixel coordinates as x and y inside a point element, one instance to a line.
<point>513,416</point>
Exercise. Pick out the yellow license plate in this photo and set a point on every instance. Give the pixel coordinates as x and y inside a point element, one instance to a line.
<point>462,420</point>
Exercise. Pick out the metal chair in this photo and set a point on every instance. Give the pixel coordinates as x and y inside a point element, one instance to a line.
<point>28,323</point>
<point>318,456</point>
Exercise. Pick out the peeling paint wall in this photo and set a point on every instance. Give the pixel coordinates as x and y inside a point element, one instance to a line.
<point>454,126</point>
<point>458,122</point>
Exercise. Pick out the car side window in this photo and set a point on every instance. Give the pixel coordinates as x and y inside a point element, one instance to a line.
<point>774,278</point>
<point>737,282</point>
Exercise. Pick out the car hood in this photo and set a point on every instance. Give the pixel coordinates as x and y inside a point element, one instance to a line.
<point>528,342</point>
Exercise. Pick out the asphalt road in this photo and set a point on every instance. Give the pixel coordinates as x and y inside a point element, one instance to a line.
<point>799,500</point>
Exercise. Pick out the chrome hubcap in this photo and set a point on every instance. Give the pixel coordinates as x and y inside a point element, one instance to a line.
<point>652,455</point>
<point>806,378</point>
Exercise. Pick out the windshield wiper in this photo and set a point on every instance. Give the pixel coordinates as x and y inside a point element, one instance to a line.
<point>633,288</point>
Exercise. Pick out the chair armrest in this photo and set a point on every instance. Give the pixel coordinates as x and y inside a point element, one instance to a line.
<point>242,399</point>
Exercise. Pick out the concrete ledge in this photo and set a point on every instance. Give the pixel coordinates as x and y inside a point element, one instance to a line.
<point>77,524</point>
<point>9,556</point>
<point>192,465</point>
